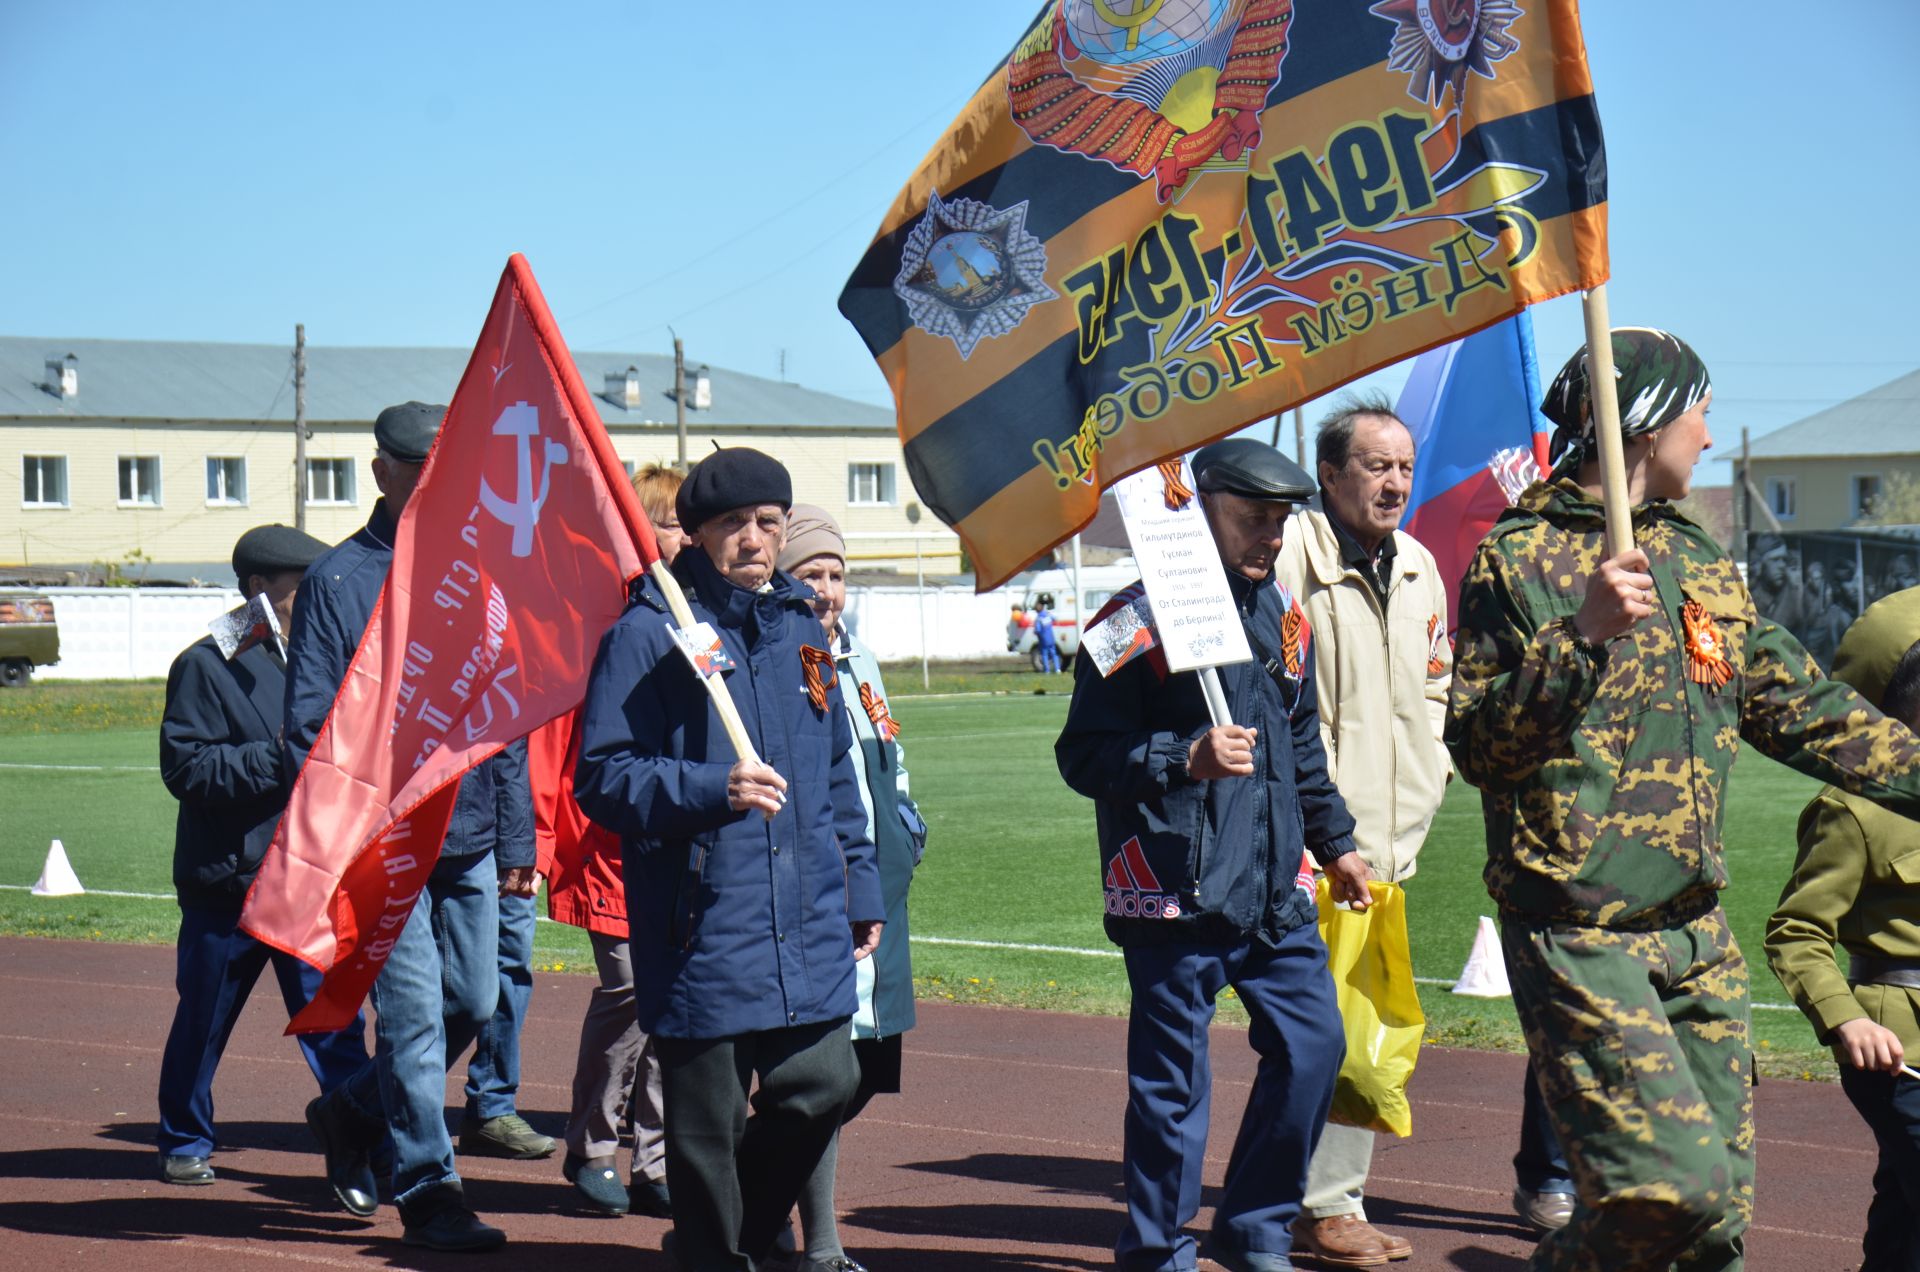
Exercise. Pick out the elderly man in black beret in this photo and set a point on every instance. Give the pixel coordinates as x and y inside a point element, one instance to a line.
<point>752,887</point>
<point>1202,828</point>
<point>442,981</point>
<point>220,756</point>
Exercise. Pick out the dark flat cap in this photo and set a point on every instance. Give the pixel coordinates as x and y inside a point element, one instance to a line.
<point>734,477</point>
<point>406,431</point>
<point>1243,466</point>
<point>268,550</point>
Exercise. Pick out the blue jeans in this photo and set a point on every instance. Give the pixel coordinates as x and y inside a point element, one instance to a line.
<point>1539,1166</point>
<point>215,967</point>
<point>1296,1031</point>
<point>436,991</point>
<point>1890,1103</point>
<point>493,1075</point>
<point>1049,655</point>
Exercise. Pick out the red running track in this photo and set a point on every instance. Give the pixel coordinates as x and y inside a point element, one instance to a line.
<point>1003,1153</point>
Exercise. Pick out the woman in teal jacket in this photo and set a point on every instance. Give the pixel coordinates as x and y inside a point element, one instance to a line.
<point>816,554</point>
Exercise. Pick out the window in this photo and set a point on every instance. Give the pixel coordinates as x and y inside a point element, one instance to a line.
<point>329,481</point>
<point>1780,497</point>
<point>869,484</point>
<point>631,465</point>
<point>1866,493</point>
<point>226,480</point>
<point>140,480</point>
<point>43,481</point>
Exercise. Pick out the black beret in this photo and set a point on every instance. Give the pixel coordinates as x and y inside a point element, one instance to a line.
<point>1243,466</point>
<point>268,550</point>
<point>736,477</point>
<point>406,431</point>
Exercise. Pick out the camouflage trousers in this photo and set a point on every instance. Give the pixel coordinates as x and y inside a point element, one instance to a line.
<point>1642,1043</point>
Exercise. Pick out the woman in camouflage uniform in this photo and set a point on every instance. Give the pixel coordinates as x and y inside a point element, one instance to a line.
<point>1598,705</point>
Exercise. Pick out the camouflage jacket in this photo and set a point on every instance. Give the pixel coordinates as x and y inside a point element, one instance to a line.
<point>1603,777</point>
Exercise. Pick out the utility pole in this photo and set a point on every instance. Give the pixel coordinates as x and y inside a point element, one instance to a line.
<point>680,397</point>
<point>299,426</point>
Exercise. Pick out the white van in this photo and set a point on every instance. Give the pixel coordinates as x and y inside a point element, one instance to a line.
<point>1097,584</point>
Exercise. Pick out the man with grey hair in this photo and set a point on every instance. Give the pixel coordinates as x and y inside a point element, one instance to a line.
<point>1377,607</point>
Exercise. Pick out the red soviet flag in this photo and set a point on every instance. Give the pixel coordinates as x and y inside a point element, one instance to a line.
<point>511,560</point>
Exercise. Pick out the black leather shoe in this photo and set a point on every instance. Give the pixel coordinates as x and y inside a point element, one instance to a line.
<point>344,1145</point>
<point>182,1169</point>
<point>649,1197</point>
<point>439,1219</point>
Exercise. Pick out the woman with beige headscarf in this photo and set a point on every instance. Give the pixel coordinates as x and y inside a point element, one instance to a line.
<point>815,553</point>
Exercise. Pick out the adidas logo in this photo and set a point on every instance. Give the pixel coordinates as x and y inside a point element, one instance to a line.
<point>1133,891</point>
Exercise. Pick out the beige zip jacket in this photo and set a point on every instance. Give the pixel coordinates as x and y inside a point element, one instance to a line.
<point>1383,676</point>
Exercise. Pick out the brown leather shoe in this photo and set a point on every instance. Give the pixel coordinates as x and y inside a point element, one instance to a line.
<point>1340,1241</point>
<point>1397,1248</point>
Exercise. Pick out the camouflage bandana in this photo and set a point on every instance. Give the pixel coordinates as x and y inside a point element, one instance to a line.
<point>1659,379</point>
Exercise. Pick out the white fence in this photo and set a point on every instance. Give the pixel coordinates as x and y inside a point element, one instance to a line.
<point>113,633</point>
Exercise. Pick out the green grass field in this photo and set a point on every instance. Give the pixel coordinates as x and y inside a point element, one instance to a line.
<point>1010,858</point>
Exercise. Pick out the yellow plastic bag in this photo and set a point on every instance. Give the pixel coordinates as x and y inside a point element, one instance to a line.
<point>1379,1005</point>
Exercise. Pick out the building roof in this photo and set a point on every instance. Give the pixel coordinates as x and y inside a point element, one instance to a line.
<point>241,383</point>
<point>1882,421</point>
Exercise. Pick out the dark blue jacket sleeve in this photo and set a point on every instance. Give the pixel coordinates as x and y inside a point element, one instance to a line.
<point>865,900</point>
<point>1109,750</point>
<point>512,808</point>
<point>201,759</point>
<point>317,658</point>
<point>626,779</point>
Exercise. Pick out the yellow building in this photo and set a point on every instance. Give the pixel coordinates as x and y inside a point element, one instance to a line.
<point>1827,471</point>
<point>152,457</point>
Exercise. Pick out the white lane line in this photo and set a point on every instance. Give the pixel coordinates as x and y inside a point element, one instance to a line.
<point>92,892</point>
<point>82,768</point>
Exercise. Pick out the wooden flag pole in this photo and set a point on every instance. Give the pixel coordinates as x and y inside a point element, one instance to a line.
<point>1606,423</point>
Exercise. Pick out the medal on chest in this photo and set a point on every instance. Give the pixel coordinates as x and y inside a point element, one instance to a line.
<point>876,708</point>
<point>1706,648</point>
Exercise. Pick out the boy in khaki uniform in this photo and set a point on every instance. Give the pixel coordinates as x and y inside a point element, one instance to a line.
<point>1857,883</point>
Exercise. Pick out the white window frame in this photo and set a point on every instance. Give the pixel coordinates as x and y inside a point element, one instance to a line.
<point>120,470</point>
<point>1782,509</point>
<point>66,490</point>
<point>226,498</point>
<point>886,483</point>
<point>1853,492</point>
<point>342,468</point>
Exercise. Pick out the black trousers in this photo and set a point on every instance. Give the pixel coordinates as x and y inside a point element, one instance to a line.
<point>1890,1103</point>
<point>735,1177</point>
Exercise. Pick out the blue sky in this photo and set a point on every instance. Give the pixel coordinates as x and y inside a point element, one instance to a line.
<point>223,171</point>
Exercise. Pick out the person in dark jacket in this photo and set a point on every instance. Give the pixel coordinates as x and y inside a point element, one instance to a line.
<point>1202,829</point>
<point>751,884</point>
<point>440,984</point>
<point>220,757</point>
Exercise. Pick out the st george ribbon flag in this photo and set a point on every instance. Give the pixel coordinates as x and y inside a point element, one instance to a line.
<point>511,560</point>
<point>1152,226</point>
<point>1473,408</point>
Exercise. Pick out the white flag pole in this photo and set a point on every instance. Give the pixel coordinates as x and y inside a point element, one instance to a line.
<point>716,687</point>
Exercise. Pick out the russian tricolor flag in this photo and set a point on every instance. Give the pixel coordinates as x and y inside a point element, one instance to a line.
<point>1479,439</point>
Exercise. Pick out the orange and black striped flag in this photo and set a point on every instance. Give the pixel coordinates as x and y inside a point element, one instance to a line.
<point>1161,220</point>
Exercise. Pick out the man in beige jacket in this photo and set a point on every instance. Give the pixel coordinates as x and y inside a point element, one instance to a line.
<point>1377,608</point>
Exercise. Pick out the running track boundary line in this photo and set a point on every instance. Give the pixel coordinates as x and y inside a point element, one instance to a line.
<point>1019,946</point>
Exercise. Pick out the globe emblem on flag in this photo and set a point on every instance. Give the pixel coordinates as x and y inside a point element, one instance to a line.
<point>1123,32</point>
<point>969,271</point>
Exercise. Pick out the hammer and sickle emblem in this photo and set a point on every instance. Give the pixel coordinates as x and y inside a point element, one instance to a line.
<point>1129,21</point>
<point>522,421</point>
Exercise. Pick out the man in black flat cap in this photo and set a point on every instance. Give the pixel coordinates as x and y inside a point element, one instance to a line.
<point>1202,829</point>
<point>752,885</point>
<point>441,983</point>
<point>220,756</point>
